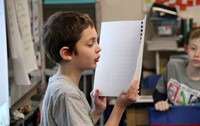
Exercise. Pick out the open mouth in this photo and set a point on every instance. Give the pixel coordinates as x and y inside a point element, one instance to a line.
<point>97,59</point>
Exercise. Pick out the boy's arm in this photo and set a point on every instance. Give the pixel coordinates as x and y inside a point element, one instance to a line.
<point>157,96</point>
<point>115,116</point>
<point>160,101</point>
<point>123,100</point>
<point>95,115</point>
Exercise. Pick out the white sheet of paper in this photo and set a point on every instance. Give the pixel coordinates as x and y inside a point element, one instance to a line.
<point>121,56</point>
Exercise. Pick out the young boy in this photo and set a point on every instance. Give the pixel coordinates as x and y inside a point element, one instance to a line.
<point>70,40</point>
<point>180,83</point>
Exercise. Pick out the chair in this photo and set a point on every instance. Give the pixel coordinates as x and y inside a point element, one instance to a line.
<point>175,116</point>
<point>150,82</point>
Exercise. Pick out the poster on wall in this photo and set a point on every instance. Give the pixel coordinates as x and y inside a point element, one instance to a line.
<point>181,5</point>
<point>20,40</point>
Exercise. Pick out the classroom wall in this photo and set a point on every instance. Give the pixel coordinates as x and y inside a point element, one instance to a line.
<point>110,10</point>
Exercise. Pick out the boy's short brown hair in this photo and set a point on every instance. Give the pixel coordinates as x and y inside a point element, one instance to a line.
<point>63,29</point>
<point>193,34</point>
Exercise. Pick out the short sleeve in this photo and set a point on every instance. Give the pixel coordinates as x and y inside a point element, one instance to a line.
<point>78,111</point>
<point>60,112</point>
<point>70,110</point>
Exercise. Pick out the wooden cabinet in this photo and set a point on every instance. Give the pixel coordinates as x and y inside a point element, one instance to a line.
<point>137,114</point>
<point>137,117</point>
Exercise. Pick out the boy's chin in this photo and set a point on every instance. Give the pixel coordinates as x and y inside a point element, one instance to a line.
<point>92,68</point>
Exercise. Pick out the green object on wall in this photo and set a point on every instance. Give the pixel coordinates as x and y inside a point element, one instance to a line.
<point>68,1</point>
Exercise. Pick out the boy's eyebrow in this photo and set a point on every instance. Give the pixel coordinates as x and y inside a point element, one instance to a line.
<point>194,45</point>
<point>92,38</point>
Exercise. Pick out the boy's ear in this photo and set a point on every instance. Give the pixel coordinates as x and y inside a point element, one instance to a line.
<point>186,48</point>
<point>65,54</point>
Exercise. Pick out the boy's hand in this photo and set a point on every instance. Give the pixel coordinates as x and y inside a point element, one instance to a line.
<point>162,105</point>
<point>100,103</point>
<point>126,98</point>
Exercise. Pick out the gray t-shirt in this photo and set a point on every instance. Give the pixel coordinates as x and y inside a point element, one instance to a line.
<point>64,104</point>
<point>176,70</point>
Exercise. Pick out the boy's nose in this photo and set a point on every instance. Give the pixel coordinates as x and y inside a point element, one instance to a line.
<point>98,48</point>
<point>197,53</point>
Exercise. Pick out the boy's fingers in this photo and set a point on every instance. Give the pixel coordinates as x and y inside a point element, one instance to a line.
<point>92,93</point>
<point>162,106</point>
<point>134,86</point>
<point>96,94</point>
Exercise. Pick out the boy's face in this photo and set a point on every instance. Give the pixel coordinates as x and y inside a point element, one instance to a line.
<point>194,52</point>
<point>87,50</point>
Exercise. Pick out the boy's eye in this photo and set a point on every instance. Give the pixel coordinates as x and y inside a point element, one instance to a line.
<point>193,48</point>
<point>91,43</point>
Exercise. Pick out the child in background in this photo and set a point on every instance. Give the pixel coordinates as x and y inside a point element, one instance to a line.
<point>70,40</point>
<point>180,82</point>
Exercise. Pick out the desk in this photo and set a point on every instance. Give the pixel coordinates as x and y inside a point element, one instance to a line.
<point>136,114</point>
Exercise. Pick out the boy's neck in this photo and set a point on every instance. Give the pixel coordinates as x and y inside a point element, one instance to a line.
<point>192,72</point>
<point>73,75</point>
